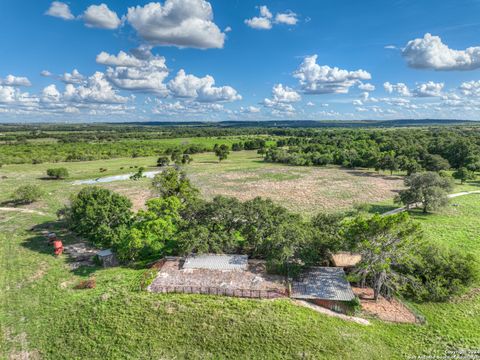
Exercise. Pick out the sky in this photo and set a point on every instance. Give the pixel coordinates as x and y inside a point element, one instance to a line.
<point>217,60</point>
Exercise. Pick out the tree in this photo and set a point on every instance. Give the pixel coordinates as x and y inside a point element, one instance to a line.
<point>389,162</point>
<point>176,156</point>
<point>463,174</point>
<point>163,161</point>
<point>99,214</point>
<point>27,194</point>
<point>58,173</point>
<point>138,175</point>
<point>174,182</point>
<point>152,233</point>
<point>222,152</point>
<point>428,189</point>
<point>385,243</point>
<point>186,159</point>
<point>435,163</point>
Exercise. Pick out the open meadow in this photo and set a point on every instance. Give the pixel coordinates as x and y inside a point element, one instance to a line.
<point>43,316</point>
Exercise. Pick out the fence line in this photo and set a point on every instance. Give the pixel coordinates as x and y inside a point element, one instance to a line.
<point>206,290</point>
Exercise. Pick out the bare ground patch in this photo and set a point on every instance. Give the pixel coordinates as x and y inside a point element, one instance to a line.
<point>386,310</point>
<point>306,190</point>
<point>137,192</point>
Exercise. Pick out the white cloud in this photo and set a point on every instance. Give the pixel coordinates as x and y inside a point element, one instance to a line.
<point>100,16</point>
<point>73,78</point>
<point>469,88</point>
<point>46,73</point>
<point>250,110</point>
<point>181,23</point>
<point>227,29</point>
<point>60,10</point>
<point>96,90</point>
<point>430,52</point>
<point>399,88</point>
<point>310,103</point>
<point>316,79</point>
<point>12,80</point>
<point>128,72</point>
<point>366,87</point>
<point>266,20</point>
<point>259,23</point>
<point>50,94</point>
<point>185,107</point>
<point>429,89</point>
<point>288,18</point>
<point>282,98</point>
<point>200,89</point>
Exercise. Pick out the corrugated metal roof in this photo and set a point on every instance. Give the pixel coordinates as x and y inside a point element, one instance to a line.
<point>216,262</point>
<point>326,283</point>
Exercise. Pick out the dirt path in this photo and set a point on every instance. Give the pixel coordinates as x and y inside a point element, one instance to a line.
<point>325,311</point>
<point>26,211</point>
<point>450,196</point>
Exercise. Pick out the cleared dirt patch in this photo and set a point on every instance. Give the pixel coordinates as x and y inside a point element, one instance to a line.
<point>386,310</point>
<point>172,274</point>
<point>300,189</point>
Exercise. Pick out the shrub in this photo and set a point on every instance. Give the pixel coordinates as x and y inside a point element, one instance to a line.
<point>57,173</point>
<point>99,214</point>
<point>27,194</point>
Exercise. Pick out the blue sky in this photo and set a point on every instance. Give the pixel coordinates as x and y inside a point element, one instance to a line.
<point>238,60</point>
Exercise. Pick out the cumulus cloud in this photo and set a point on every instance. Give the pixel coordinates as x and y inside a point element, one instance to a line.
<point>399,88</point>
<point>100,16</point>
<point>181,23</point>
<point>60,10</point>
<point>250,110</point>
<point>201,89</point>
<point>140,71</point>
<point>186,107</point>
<point>322,79</point>
<point>469,88</point>
<point>72,78</point>
<point>266,19</point>
<point>430,52</point>
<point>46,73</point>
<point>429,89</point>
<point>288,18</point>
<point>366,87</point>
<point>282,98</point>
<point>97,89</point>
<point>12,80</point>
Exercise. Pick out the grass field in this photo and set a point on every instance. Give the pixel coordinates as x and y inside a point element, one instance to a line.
<point>42,316</point>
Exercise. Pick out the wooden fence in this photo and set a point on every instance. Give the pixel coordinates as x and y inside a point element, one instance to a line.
<point>243,293</point>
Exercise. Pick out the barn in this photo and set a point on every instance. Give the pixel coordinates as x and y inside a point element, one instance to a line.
<point>324,286</point>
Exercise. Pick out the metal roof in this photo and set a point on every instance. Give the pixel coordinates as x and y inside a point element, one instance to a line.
<point>216,262</point>
<point>325,283</point>
<point>106,252</point>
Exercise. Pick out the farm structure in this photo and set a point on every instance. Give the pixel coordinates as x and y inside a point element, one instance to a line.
<point>236,275</point>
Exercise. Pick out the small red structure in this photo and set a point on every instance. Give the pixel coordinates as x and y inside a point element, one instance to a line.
<point>57,247</point>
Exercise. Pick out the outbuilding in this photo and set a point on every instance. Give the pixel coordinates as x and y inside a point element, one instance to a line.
<point>324,286</point>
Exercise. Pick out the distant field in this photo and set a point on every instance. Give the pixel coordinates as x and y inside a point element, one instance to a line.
<point>244,175</point>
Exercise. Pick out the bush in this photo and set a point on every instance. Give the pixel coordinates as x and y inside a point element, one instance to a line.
<point>99,214</point>
<point>439,274</point>
<point>27,194</point>
<point>58,173</point>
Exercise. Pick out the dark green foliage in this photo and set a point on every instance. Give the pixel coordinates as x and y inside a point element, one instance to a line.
<point>437,273</point>
<point>99,214</point>
<point>58,173</point>
<point>221,152</point>
<point>163,161</point>
<point>385,243</point>
<point>463,174</point>
<point>428,189</point>
<point>174,182</point>
<point>138,175</point>
<point>27,194</point>
<point>186,159</point>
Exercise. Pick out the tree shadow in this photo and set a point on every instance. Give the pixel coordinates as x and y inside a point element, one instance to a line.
<point>362,173</point>
<point>381,208</point>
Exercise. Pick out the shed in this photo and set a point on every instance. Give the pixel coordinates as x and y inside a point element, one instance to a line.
<point>324,286</point>
<point>107,258</point>
<point>216,262</point>
<point>345,259</point>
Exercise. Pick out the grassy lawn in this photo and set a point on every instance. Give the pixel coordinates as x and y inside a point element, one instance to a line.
<point>42,316</point>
